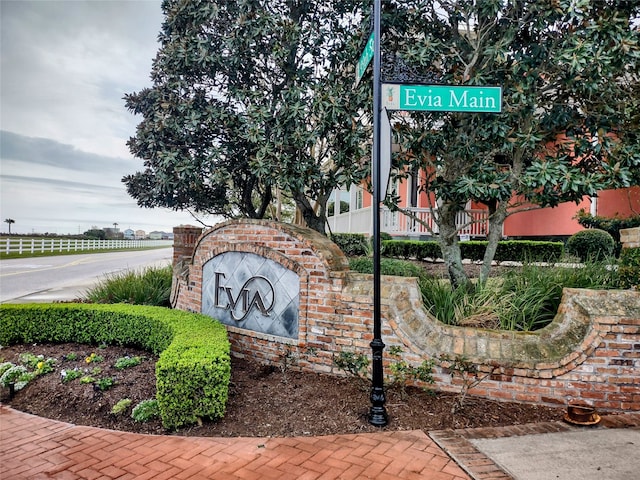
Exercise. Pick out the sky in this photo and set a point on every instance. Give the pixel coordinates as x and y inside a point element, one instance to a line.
<point>65,67</point>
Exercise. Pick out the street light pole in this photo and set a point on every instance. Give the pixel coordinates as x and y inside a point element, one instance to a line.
<point>377,412</point>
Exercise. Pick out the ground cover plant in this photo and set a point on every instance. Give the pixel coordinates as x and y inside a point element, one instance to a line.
<point>263,400</point>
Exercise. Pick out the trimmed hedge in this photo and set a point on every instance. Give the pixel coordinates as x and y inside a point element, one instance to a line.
<point>194,365</point>
<point>411,249</point>
<point>611,225</point>
<point>388,266</point>
<point>508,250</point>
<point>351,244</point>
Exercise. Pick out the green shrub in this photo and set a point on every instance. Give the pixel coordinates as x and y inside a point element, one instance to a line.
<point>507,250</point>
<point>145,410</point>
<point>351,244</point>
<point>592,244</point>
<point>388,266</point>
<point>513,251</point>
<point>411,249</point>
<point>193,369</point>
<point>629,268</point>
<point>611,225</point>
<point>149,287</point>
<point>121,406</point>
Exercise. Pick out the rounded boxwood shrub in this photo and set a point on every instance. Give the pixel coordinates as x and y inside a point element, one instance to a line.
<point>592,244</point>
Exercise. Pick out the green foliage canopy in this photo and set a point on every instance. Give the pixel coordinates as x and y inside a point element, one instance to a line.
<point>569,125</point>
<point>249,95</point>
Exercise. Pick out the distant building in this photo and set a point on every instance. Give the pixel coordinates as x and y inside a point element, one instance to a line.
<point>129,234</point>
<point>155,235</point>
<point>140,235</point>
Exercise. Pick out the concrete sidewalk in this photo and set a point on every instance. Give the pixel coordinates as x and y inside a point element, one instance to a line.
<point>548,451</point>
<point>37,448</point>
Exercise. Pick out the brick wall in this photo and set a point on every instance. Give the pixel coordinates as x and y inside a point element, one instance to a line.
<point>590,352</point>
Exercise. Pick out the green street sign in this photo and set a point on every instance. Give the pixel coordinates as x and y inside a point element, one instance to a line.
<point>365,58</point>
<point>442,98</point>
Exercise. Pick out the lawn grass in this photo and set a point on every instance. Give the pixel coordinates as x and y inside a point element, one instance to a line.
<point>8,256</point>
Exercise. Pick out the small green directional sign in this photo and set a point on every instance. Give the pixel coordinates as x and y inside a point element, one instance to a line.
<point>365,58</point>
<point>442,98</point>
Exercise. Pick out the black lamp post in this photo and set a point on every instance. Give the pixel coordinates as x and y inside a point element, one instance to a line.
<point>377,412</point>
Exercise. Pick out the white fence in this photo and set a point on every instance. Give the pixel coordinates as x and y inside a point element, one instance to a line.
<point>53,245</point>
<point>474,223</point>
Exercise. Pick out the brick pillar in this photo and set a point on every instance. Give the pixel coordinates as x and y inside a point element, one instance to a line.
<point>184,241</point>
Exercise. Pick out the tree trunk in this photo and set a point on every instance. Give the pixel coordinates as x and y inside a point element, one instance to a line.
<point>449,245</point>
<point>497,216</point>
<point>314,218</point>
<point>251,193</point>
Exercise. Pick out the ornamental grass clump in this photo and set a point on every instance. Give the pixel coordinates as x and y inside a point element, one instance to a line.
<point>523,299</point>
<point>151,286</point>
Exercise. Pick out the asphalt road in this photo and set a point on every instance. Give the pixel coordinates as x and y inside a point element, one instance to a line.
<point>68,277</point>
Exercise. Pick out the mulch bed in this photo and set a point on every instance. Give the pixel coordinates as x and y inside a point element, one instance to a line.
<point>263,400</point>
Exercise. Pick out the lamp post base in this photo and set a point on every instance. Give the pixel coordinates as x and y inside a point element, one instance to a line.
<point>378,417</point>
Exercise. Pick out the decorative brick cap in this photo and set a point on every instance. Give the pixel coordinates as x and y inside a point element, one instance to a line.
<point>323,247</point>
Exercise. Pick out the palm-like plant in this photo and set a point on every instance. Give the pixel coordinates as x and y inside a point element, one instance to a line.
<point>9,221</point>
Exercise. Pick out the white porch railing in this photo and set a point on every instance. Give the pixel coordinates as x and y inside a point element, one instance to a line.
<point>52,245</point>
<point>474,223</point>
<point>358,221</point>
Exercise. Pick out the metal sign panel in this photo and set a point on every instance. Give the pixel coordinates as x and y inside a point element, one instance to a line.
<point>365,58</point>
<point>249,291</point>
<point>442,98</point>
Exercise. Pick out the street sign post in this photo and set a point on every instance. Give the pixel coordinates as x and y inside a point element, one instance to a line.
<point>442,98</point>
<point>385,153</point>
<point>365,58</point>
<point>377,411</point>
<point>389,97</point>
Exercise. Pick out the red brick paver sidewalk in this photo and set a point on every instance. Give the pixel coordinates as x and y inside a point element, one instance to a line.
<point>37,448</point>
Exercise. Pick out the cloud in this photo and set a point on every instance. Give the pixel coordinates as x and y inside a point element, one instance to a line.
<point>64,68</point>
<point>60,185</point>
<point>44,151</point>
<point>67,64</point>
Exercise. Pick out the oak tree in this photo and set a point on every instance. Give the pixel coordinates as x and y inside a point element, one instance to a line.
<point>248,96</point>
<point>569,70</point>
